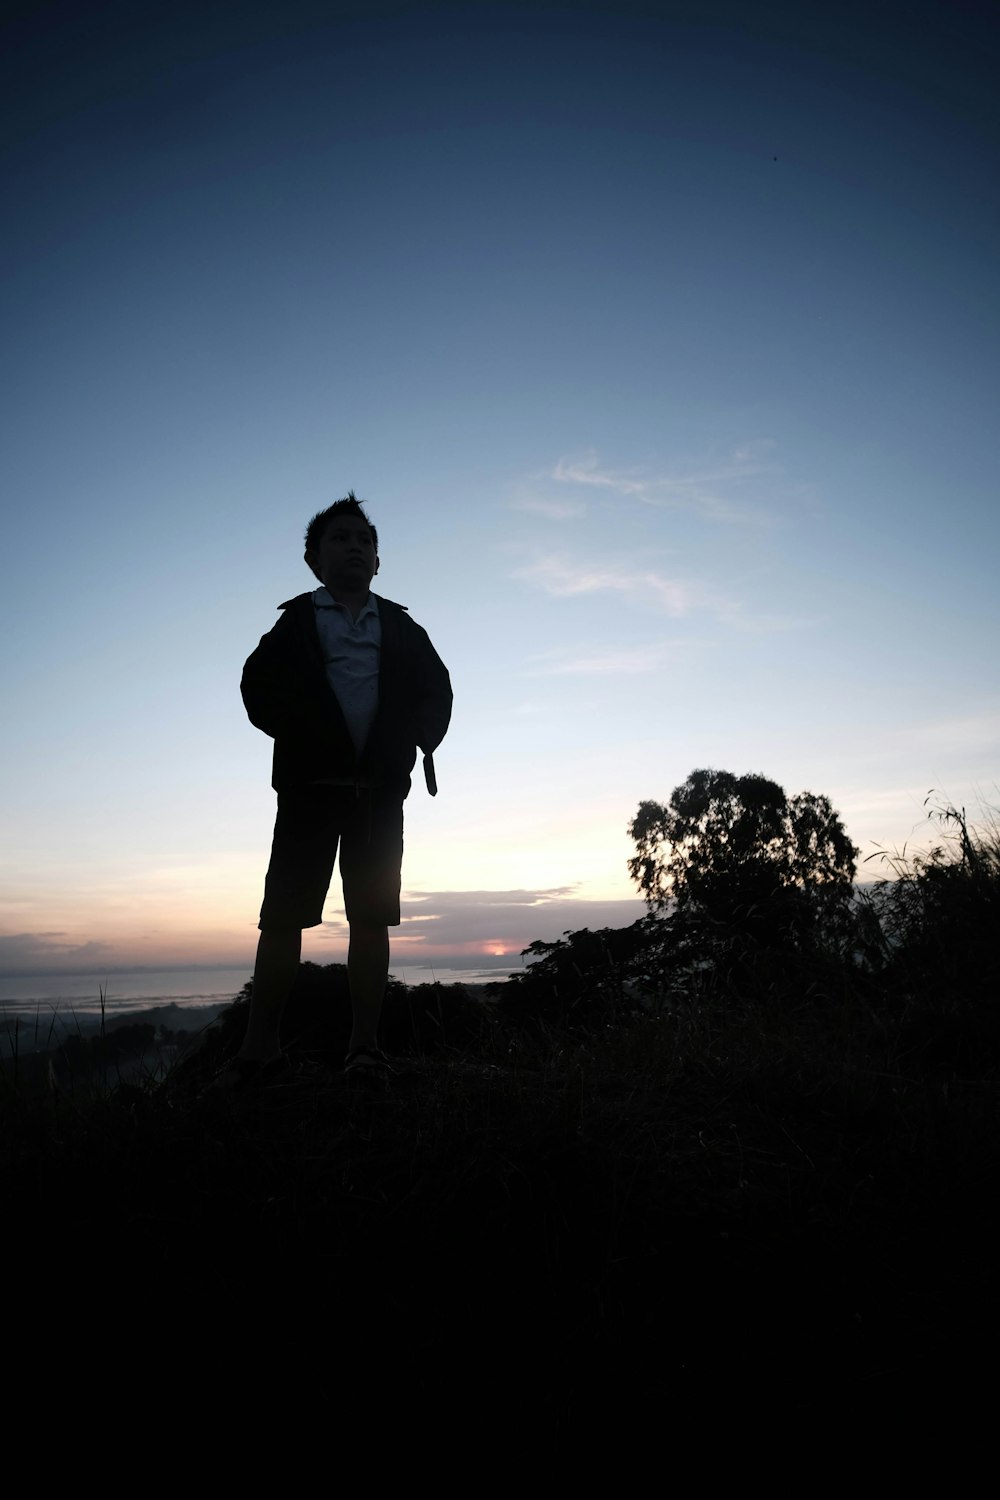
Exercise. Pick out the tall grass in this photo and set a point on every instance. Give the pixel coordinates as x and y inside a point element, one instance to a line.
<point>745,1184</point>
<point>938,917</point>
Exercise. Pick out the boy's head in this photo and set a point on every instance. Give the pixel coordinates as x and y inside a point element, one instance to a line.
<point>342,546</point>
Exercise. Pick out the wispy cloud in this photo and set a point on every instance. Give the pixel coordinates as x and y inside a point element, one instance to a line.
<point>559,575</point>
<point>483,899</point>
<point>705,489</point>
<point>586,470</point>
<point>552,510</point>
<point>45,952</point>
<point>474,924</point>
<point>564,578</point>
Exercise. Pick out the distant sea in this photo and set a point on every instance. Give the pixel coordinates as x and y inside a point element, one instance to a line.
<point>134,990</point>
<point>71,998</point>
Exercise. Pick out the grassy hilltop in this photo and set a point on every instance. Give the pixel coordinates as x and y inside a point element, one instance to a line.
<point>643,1187</point>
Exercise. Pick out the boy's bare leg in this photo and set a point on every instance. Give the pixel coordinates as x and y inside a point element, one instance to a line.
<point>367,972</point>
<point>278,955</point>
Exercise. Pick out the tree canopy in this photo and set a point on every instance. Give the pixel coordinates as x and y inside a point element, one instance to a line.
<point>738,849</point>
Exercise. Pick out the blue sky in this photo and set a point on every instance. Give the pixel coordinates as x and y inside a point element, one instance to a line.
<point>661,342</point>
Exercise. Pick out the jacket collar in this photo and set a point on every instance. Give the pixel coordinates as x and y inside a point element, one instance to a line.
<point>301,601</point>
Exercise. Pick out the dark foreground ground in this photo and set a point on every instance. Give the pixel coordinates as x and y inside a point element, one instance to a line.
<point>672,1233</point>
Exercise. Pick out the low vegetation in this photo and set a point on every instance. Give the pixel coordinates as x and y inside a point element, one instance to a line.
<point>689,1173</point>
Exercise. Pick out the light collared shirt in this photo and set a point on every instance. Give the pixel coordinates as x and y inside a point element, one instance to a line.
<point>351,651</point>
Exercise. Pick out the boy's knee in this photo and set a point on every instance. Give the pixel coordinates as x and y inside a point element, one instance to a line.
<point>369,931</point>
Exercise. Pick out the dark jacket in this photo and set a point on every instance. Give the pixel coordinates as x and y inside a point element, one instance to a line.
<point>287,695</point>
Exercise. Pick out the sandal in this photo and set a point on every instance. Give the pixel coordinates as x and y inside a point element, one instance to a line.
<point>240,1075</point>
<point>368,1065</point>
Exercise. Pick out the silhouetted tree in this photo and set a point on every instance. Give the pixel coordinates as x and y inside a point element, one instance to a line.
<point>583,979</point>
<point>736,850</point>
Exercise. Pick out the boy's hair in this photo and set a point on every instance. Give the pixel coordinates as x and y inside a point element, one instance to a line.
<point>350,505</point>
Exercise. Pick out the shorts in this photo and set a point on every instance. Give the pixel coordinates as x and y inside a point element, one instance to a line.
<point>367,823</point>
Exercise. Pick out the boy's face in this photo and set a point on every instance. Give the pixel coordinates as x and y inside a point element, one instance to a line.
<point>345,559</point>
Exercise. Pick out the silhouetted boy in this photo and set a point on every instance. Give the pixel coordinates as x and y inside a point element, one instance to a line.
<point>348,686</point>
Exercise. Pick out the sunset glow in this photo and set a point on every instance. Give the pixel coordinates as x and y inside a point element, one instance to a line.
<point>664,356</point>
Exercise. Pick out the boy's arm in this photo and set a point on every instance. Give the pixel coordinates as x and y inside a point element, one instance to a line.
<point>272,686</point>
<point>434,705</point>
